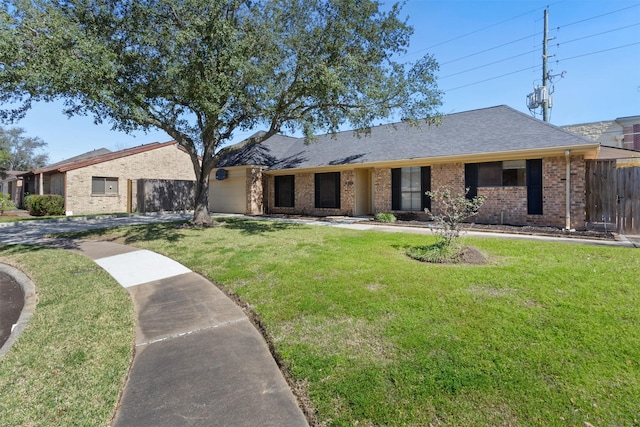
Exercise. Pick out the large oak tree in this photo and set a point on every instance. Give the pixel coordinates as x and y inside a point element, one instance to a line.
<point>201,70</point>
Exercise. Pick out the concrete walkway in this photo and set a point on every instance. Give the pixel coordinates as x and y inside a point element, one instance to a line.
<point>198,359</point>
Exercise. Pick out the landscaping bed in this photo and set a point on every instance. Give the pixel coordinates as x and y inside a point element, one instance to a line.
<point>408,221</point>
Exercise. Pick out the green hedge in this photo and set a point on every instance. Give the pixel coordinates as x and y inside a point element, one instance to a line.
<point>45,205</point>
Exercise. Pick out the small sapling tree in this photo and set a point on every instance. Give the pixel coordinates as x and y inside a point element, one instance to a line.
<point>451,210</point>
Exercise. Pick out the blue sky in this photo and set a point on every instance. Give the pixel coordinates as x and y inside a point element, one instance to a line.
<point>489,54</point>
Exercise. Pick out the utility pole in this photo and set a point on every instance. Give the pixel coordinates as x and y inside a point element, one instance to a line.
<point>541,96</point>
<point>545,41</point>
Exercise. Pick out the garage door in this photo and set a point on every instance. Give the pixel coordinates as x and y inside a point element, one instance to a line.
<point>228,196</point>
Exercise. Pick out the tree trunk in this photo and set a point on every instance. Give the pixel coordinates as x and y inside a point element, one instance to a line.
<point>201,214</point>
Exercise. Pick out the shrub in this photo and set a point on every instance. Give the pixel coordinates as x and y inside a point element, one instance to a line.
<point>45,205</point>
<point>5,203</point>
<point>385,217</point>
<point>453,209</point>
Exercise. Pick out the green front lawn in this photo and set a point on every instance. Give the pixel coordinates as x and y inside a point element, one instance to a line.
<point>68,366</point>
<point>544,334</point>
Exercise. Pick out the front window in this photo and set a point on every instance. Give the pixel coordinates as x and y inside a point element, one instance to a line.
<point>327,190</point>
<point>510,173</point>
<point>411,189</point>
<point>284,191</point>
<point>104,186</point>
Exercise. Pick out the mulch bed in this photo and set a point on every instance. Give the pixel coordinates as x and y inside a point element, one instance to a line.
<point>513,229</point>
<point>510,229</point>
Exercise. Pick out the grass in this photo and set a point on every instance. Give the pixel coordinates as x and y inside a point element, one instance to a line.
<point>543,334</point>
<point>69,365</point>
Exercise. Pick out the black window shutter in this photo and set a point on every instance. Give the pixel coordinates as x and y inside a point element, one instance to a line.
<point>336,177</point>
<point>292,190</point>
<point>534,187</point>
<point>318,178</point>
<point>471,179</point>
<point>425,174</point>
<point>396,185</point>
<point>277,182</point>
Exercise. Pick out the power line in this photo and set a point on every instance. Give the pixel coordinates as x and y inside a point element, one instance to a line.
<point>599,34</point>
<point>489,49</point>
<point>597,16</point>
<point>532,68</point>
<point>596,52</point>
<point>473,32</point>
<point>487,65</point>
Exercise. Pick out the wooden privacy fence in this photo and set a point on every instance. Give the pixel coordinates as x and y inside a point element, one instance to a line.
<point>613,194</point>
<point>156,195</point>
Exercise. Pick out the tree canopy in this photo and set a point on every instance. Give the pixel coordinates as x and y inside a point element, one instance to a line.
<point>19,152</point>
<point>203,69</point>
<point>22,152</point>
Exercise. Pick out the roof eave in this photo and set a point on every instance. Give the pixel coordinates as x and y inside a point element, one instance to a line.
<point>589,151</point>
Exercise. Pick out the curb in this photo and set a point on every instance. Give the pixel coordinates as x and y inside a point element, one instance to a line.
<point>30,301</point>
<point>88,218</point>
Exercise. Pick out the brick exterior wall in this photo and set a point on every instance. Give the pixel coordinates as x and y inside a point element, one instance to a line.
<point>382,190</point>
<point>553,190</point>
<point>504,205</point>
<point>305,196</point>
<point>254,191</point>
<point>508,205</point>
<point>162,163</point>
<point>449,175</point>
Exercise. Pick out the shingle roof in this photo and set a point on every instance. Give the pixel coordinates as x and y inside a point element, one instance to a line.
<point>83,156</point>
<point>83,161</point>
<point>489,130</point>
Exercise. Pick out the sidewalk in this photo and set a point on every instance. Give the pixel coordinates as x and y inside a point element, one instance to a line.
<point>198,359</point>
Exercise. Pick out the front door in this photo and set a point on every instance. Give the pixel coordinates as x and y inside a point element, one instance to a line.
<point>363,192</point>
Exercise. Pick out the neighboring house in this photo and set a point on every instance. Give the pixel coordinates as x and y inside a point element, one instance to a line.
<point>11,184</point>
<point>623,132</point>
<point>102,181</point>
<point>531,172</point>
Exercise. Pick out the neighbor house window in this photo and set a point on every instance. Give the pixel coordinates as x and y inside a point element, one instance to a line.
<point>510,173</point>
<point>284,191</point>
<point>104,186</point>
<point>327,190</point>
<point>408,188</point>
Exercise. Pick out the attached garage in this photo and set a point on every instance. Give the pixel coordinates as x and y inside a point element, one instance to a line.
<point>228,190</point>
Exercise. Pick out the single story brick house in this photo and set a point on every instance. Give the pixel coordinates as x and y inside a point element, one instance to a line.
<point>102,181</point>
<point>530,171</point>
